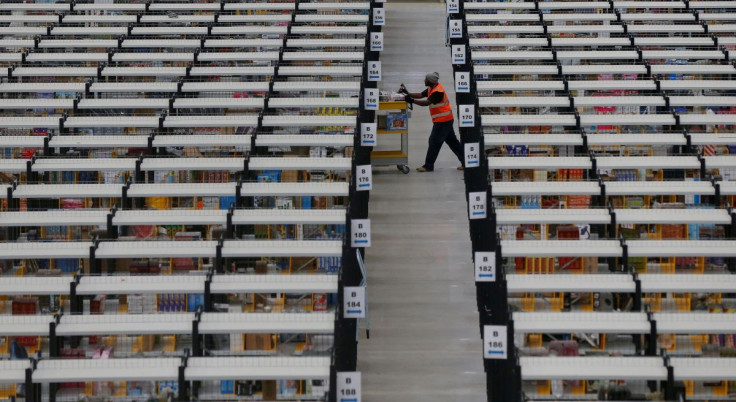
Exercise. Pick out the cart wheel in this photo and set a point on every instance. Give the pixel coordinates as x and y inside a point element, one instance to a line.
<point>404,169</point>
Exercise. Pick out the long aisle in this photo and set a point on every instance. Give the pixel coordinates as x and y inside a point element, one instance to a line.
<point>424,344</point>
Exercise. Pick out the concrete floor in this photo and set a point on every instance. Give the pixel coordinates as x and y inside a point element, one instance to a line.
<point>424,343</point>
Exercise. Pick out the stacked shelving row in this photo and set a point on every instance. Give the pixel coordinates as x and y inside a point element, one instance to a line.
<point>600,162</point>
<point>184,198</point>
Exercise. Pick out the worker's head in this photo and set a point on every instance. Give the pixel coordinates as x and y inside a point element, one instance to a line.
<point>431,79</point>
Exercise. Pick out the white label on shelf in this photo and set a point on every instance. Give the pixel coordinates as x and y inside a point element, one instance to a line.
<point>467,115</point>
<point>456,28</point>
<point>477,205</point>
<point>485,266</point>
<point>494,342</point>
<point>354,297</point>
<point>376,41</point>
<point>348,386</point>
<point>472,158</point>
<point>361,233</point>
<point>363,178</point>
<point>453,6</point>
<point>379,16</point>
<point>371,99</point>
<point>368,136</point>
<point>462,81</point>
<point>374,71</point>
<point>458,54</point>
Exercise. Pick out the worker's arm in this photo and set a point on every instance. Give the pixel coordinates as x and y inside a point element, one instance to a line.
<point>422,102</point>
<point>416,95</point>
<point>436,97</point>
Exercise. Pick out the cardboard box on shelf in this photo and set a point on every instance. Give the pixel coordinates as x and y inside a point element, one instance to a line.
<point>98,304</point>
<point>289,176</point>
<point>24,305</point>
<point>303,263</point>
<point>258,342</point>
<point>142,304</point>
<point>123,264</point>
<point>261,267</point>
<point>320,202</point>
<point>148,342</point>
<point>261,298</point>
<point>269,390</point>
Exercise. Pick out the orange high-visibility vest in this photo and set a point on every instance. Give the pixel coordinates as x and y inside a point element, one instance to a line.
<point>441,112</point>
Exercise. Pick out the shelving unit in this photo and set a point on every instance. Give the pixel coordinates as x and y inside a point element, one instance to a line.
<point>178,186</point>
<point>601,210</point>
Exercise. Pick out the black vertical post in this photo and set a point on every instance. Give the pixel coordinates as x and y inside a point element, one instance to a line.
<point>669,388</point>
<point>125,201</point>
<point>346,345</point>
<point>196,343</point>
<point>54,346</point>
<point>75,302</point>
<point>637,293</point>
<point>731,261</point>
<point>219,263</point>
<point>30,390</point>
<point>502,381</point>
<point>112,231</point>
<point>624,267</point>
<point>229,225</point>
<point>183,394</point>
<point>652,339</point>
<point>95,267</point>
<point>208,305</point>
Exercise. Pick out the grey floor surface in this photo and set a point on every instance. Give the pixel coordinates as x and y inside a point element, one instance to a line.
<point>424,343</point>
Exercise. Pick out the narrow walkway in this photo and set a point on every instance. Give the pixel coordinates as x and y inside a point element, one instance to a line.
<point>424,342</point>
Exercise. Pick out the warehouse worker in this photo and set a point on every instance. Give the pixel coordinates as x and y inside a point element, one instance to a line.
<point>442,119</point>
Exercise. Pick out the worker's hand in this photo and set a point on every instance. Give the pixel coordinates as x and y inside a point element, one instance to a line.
<point>403,91</point>
<point>408,99</point>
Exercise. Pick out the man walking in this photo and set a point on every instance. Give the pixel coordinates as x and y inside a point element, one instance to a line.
<point>442,119</point>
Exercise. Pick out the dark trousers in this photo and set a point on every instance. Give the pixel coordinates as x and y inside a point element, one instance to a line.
<point>442,133</point>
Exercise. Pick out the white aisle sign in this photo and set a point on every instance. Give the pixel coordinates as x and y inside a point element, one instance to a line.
<point>477,205</point>
<point>456,28</point>
<point>379,16</point>
<point>467,115</point>
<point>364,177</point>
<point>376,41</point>
<point>453,6</point>
<point>370,101</point>
<point>348,386</point>
<point>368,136</point>
<point>485,266</point>
<point>462,81</point>
<point>472,158</point>
<point>458,54</point>
<point>374,71</point>
<point>361,233</point>
<point>354,297</point>
<point>494,342</point>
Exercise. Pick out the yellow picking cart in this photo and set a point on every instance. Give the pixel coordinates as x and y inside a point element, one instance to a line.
<point>393,119</point>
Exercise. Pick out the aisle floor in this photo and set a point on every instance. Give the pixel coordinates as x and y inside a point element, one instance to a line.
<point>424,343</point>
